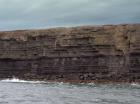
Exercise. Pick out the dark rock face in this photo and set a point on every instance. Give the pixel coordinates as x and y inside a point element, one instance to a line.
<point>99,53</point>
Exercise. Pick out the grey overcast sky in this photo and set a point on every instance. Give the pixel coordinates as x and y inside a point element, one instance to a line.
<point>27,14</point>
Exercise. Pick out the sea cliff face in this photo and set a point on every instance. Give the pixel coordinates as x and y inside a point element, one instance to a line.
<point>86,53</point>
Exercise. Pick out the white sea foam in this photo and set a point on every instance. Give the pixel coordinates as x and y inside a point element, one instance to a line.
<point>135,84</point>
<point>16,80</point>
<point>91,84</point>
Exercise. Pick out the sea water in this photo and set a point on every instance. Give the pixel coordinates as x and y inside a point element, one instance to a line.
<point>15,91</point>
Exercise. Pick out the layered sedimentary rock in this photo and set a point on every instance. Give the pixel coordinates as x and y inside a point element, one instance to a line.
<point>86,53</point>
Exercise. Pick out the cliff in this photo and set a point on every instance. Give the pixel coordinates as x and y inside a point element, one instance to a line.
<point>86,53</point>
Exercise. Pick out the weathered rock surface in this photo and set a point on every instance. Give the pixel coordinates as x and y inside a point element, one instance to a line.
<point>87,53</point>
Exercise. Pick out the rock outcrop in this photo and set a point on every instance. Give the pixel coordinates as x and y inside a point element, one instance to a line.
<point>86,53</point>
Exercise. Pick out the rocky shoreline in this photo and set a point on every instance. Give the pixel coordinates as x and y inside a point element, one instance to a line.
<point>108,53</point>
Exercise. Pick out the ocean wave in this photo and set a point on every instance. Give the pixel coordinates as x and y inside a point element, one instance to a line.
<point>135,84</point>
<point>16,80</point>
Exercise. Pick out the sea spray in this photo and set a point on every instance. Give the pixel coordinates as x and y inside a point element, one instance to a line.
<point>17,80</point>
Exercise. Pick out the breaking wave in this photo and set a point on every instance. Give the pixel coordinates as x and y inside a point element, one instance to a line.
<point>16,80</point>
<point>135,84</point>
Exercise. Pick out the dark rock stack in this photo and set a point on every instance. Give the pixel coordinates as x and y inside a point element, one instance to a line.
<point>87,53</point>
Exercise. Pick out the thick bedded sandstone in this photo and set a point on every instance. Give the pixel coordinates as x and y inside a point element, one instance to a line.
<point>87,53</point>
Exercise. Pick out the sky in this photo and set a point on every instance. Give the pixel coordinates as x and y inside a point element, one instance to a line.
<point>32,14</point>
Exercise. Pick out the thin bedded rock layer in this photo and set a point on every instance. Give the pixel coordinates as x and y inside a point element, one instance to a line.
<point>86,53</point>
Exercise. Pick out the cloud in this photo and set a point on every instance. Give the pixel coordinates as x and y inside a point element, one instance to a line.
<point>26,14</point>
